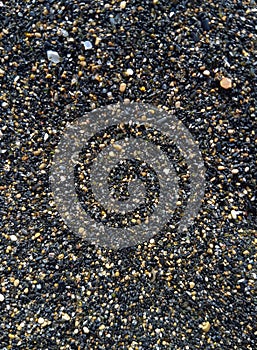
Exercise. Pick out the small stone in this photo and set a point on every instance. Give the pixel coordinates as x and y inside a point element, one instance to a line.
<point>13,238</point>
<point>205,24</point>
<point>42,166</point>
<point>85,330</point>
<point>177,104</point>
<point>129,72</point>
<point>2,72</point>
<point>65,317</point>
<point>41,320</point>
<point>206,72</point>
<point>226,83</point>
<point>123,4</point>
<point>1,297</point>
<point>53,56</point>
<point>234,171</point>
<point>117,147</point>
<point>64,33</point>
<point>37,152</point>
<point>206,326</point>
<point>234,214</point>
<point>87,45</point>
<point>16,283</point>
<point>81,230</point>
<point>191,285</point>
<point>123,87</point>
<point>101,327</point>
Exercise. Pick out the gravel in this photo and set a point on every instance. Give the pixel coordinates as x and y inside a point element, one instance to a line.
<point>191,291</point>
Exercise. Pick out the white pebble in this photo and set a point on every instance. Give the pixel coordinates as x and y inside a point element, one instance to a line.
<point>129,71</point>
<point>65,317</point>
<point>234,213</point>
<point>53,56</point>
<point>64,33</point>
<point>123,4</point>
<point>85,330</point>
<point>13,238</point>
<point>1,297</point>
<point>41,320</point>
<point>87,45</point>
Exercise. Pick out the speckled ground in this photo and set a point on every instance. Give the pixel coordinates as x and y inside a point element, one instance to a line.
<point>197,291</point>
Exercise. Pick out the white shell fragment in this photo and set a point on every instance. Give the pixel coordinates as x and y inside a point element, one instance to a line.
<point>53,56</point>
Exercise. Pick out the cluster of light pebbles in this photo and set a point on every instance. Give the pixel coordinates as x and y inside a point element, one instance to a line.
<point>60,59</point>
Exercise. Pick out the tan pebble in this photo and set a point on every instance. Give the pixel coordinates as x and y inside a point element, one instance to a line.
<point>16,283</point>
<point>191,284</point>
<point>101,327</point>
<point>221,167</point>
<point>177,104</point>
<point>117,147</point>
<point>226,83</point>
<point>42,166</point>
<point>81,230</point>
<point>97,41</point>
<point>206,326</point>
<point>2,72</point>
<point>123,4</point>
<point>37,152</point>
<point>65,317</point>
<point>81,58</point>
<point>123,87</point>
<point>235,171</point>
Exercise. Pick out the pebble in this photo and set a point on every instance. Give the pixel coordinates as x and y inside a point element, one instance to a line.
<point>86,330</point>
<point>66,317</point>
<point>123,87</point>
<point>192,284</point>
<point>129,72</point>
<point>41,320</point>
<point>53,56</point>
<point>87,45</point>
<point>206,73</point>
<point>123,4</point>
<point>1,297</point>
<point>206,326</point>
<point>234,213</point>
<point>226,83</point>
<point>13,238</point>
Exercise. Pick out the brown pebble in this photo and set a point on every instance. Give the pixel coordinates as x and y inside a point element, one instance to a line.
<point>226,83</point>
<point>123,87</point>
<point>206,326</point>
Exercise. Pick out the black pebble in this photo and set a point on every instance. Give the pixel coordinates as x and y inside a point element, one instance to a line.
<point>205,24</point>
